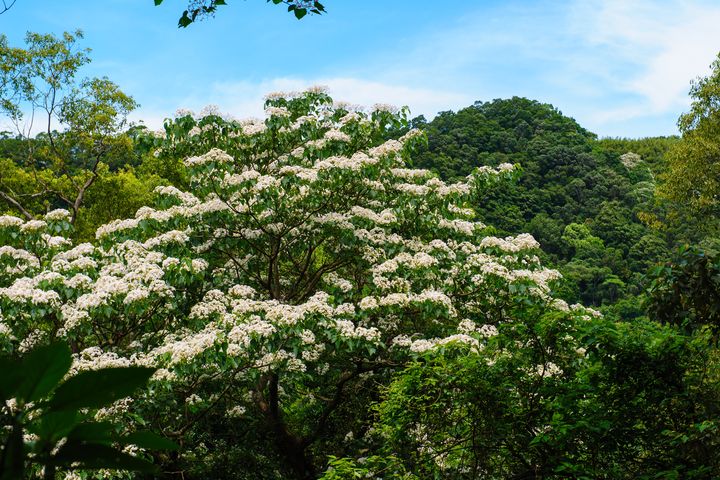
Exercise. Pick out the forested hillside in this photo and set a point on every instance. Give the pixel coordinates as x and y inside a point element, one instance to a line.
<point>585,200</point>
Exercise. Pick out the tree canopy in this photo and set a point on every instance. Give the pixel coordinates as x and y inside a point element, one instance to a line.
<point>71,135</point>
<point>585,200</point>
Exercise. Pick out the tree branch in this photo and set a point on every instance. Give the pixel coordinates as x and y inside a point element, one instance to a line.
<point>7,6</point>
<point>16,204</point>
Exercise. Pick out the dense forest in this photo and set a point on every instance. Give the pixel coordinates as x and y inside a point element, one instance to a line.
<point>333,292</point>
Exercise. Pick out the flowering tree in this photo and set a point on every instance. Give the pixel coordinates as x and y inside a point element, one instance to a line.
<point>305,267</point>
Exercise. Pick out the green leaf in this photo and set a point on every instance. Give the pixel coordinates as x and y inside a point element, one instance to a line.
<point>184,20</point>
<point>94,389</point>
<point>43,369</point>
<point>149,440</point>
<point>93,432</point>
<point>158,2</point>
<point>12,463</point>
<point>300,13</point>
<point>54,425</point>
<point>92,457</point>
<point>10,379</point>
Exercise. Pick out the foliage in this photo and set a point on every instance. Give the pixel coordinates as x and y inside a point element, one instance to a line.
<point>315,307</point>
<point>569,180</point>
<point>686,292</point>
<point>367,467</point>
<point>115,195</point>
<point>44,419</point>
<point>554,397</point>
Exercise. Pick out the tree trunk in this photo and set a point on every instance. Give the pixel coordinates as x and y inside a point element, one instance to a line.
<point>293,450</point>
<point>290,446</point>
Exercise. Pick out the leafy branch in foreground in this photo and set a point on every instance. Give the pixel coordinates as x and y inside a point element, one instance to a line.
<point>200,9</point>
<point>43,421</point>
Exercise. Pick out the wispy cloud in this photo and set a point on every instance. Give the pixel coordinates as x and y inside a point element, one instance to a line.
<point>243,99</point>
<point>613,64</point>
<point>650,49</point>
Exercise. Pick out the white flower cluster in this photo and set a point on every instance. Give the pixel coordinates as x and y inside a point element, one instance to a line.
<point>22,259</point>
<point>213,156</point>
<point>337,136</point>
<point>57,215</point>
<point>524,241</point>
<point>10,221</point>
<point>187,199</point>
<point>502,168</point>
<point>425,345</point>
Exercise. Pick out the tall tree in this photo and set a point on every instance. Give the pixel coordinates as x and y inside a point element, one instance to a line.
<point>81,123</point>
<point>693,177</point>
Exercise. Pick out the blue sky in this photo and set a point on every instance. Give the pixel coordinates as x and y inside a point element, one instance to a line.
<point>621,68</point>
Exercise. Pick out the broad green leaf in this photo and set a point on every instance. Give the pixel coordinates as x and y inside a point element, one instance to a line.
<point>158,2</point>
<point>93,432</point>
<point>10,379</point>
<point>54,425</point>
<point>94,389</point>
<point>184,20</point>
<point>12,463</point>
<point>149,440</point>
<point>43,368</point>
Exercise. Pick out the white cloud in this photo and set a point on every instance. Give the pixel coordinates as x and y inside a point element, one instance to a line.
<point>243,99</point>
<point>661,45</point>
